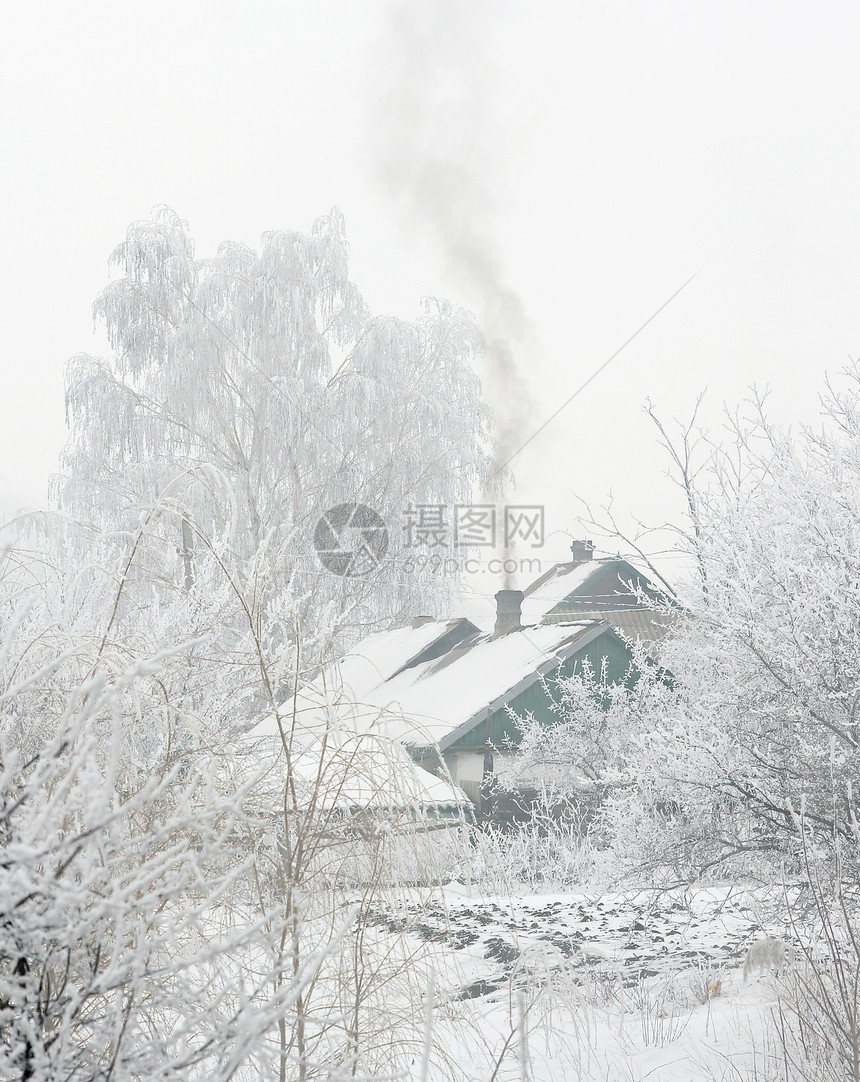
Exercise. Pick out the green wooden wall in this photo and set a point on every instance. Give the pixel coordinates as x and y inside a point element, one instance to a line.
<point>537,698</point>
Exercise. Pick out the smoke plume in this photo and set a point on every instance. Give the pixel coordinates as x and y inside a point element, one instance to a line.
<point>438,151</point>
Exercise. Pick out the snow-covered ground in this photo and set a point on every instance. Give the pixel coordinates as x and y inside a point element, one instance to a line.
<point>629,986</point>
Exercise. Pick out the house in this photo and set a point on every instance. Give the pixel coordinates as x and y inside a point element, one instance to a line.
<point>447,691</point>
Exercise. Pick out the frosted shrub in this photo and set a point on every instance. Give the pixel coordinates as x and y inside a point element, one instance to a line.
<point>818,1024</point>
<point>543,855</point>
<point>656,1019</point>
<point>118,956</point>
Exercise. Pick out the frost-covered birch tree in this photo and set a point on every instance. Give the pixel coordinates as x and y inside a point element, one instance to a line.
<point>250,392</point>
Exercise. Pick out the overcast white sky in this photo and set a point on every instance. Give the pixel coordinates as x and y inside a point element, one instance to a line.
<point>608,151</point>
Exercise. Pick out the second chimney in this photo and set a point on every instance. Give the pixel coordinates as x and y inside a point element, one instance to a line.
<point>580,551</point>
<point>509,604</point>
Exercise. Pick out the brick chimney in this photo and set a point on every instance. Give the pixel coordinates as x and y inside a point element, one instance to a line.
<point>509,604</point>
<point>581,551</point>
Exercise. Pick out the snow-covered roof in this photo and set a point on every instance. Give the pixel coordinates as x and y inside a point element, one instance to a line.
<point>553,587</point>
<point>607,589</point>
<point>337,767</point>
<point>430,702</point>
<point>378,657</point>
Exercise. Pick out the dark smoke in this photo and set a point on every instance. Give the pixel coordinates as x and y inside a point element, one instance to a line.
<point>438,149</point>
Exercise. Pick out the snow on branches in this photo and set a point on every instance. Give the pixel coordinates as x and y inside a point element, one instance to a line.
<point>267,370</point>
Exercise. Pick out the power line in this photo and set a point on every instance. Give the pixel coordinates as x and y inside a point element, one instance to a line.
<point>595,374</point>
